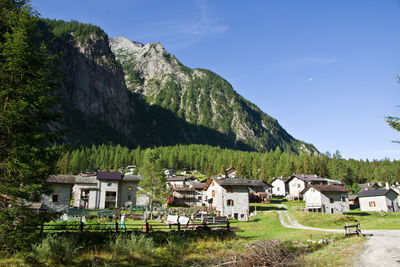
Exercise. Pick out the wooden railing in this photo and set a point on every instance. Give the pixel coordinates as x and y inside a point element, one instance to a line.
<point>145,227</point>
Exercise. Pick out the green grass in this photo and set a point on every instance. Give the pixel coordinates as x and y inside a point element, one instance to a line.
<point>367,220</point>
<point>267,226</point>
<point>344,252</point>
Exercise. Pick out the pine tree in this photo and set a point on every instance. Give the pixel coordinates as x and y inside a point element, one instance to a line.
<point>26,160</point>
<point>153,182</point>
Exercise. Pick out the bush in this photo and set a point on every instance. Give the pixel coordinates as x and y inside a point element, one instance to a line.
<point>53,250</point>
<point>134,246</point>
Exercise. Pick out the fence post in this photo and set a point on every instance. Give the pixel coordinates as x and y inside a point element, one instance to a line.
<point>116,226</point>
<point>227,225</point>
<point>205,225</point>
<point>81,226</point>
<point>42,228</point>
<point>147,226</point>
<point>179,226</point>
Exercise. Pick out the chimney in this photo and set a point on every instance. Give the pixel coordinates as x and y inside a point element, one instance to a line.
<point>387,185</point>
<point>369,184</point>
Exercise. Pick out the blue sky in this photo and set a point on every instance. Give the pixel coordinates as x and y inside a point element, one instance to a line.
<point>326,70</point>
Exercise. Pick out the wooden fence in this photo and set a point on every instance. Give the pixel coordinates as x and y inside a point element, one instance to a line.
<point>145,227</point>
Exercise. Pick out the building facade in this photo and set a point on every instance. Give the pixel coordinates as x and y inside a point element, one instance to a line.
<point>332,199</point>
<point>279,187</point>
<point>378,200</point>
<point>228,197</point>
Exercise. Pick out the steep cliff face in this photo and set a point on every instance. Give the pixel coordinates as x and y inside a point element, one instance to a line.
<point>94,98</point>
<point>199,97</point>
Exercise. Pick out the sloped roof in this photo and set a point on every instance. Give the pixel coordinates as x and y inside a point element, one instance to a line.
<point>329,188</point>
<point>86,180</point>
<point>284,179</point>
<point>61,179</point>
<point>198,186</point>
<point>258,183</point>
<point>370,186</point>
<point>109,176</point>
<point>307,177</point>
<point>353,197</point>
<point>132,178</point>
<point>377,192</point>
<point>236,181</point>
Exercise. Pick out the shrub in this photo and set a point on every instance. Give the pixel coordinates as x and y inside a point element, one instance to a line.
<point>53,250</point>
<point>134,246</point>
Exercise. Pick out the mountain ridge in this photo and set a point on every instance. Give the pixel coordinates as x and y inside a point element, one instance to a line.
<point>153,72</point>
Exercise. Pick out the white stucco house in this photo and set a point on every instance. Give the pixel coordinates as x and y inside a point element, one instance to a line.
<point>228,197</point>
<point>279,186</point>
<point>379,200</point>
<point>298,182</point>
<point>326,199</point>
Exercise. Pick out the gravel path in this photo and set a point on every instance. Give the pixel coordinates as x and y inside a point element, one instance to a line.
<point>382,248</point>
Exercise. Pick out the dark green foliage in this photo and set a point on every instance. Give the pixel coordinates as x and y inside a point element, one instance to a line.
<point>26,160</point>
<point>253,165</point>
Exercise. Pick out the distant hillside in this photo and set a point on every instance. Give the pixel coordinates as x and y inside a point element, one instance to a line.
<point>134,94</point>
<point>199,96</point>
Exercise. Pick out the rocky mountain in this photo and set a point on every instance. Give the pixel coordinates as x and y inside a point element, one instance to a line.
<point>115,90</point>
<point>199,97</point>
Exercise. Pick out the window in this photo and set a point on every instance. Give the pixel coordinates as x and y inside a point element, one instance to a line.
<point>372,204</point>
<point>55,198</point>
<point>199,197</point>
<point>109,184</point>
<point>129,188</point>
<point>298,185</point>
<point>229,202</point>
<point>343,199</point>
<point>277,189</point>
<point>212,184</point>
<point>213,193</point>
<point>129,197</point>
<point>331,200</point>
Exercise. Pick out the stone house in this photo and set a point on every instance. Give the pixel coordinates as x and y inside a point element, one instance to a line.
<point>86,192</point>
<point>298,182</point>
<point>59,199</point>
<point>231,172</point>
<point>326,199</point>
<point>279,187</point>
<point>228,197</point>
<point>259,191</point>
<point>199,193</point>
<point>378,200</point>
<point>106,190</point>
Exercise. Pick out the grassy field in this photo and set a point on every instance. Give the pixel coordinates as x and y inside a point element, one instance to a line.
<point>263,226</point>
<point>344,252</point>
<point>367,220</point>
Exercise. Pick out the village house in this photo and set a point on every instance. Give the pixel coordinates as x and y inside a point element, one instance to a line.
<point>369,186</point>
<point>326,199</point>
<point>259,191</point>
<point>59,199</point>
<point>86,192</point>
<point>170,172</point>
<point>199,193</point>
<point>228,197</point>
<point>279,187</point>
<point>298,182</point>
<point>379,200</point>
<point>353,201</point>
<point>231,172</point>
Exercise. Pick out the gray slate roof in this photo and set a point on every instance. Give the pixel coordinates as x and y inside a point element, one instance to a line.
<point>86,180</point>
<point>232,181</point>
<point>199,185</point>
<point>308,177</point>
<point>109,176</point>
<point>62,179</point>
<point>258,183</point>
<point>132,178</point>
<point>377,192</point>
